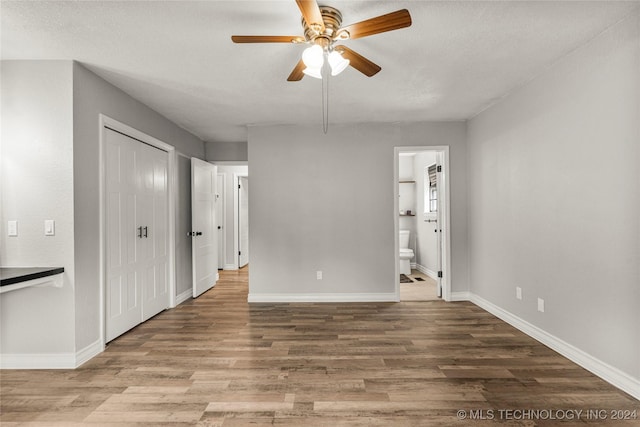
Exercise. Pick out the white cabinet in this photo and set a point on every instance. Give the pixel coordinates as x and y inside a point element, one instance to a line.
<point>137,215</point>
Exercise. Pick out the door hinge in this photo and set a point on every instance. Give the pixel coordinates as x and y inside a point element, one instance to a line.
<point>439,168</point>
<point>239,186</point>
<point>239,253</point>
<point>440,274</point>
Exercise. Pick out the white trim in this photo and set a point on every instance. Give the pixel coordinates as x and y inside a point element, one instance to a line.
<point>103,121</point>
<point>339,297</point>
<point>444,212</point>
<point>52,360</point>
<point>236,222</point>
<point>222,222</point>
<point>184,296</point>
<point>460,296</point>
<point>612,375</point>
<point>230,267</point>
<point>89,352</point>
<point>424,270</point>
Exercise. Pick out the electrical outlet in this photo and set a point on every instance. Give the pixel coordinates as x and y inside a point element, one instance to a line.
<point>518,292</point>
<point>319,275</point>
<point>12,228</point>
<point>541,305</point>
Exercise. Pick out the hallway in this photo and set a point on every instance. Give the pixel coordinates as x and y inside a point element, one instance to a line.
<point>217,361</point>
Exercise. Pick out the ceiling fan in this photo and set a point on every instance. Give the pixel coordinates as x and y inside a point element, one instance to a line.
<point>322,30</point>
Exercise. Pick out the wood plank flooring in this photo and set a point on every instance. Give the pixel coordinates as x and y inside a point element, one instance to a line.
<point>218,361</point>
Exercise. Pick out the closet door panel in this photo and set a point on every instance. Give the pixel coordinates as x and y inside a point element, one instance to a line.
<point>123,303</point>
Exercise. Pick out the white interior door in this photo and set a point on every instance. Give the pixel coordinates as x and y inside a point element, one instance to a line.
<point>220,206</point>
<point>243,221</point>
<point>136,232</point>
<point>155,291</point>
<point>203,221</point>
<point>123,303</point>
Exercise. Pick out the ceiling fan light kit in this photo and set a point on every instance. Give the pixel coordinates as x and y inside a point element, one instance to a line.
<point>322,26</point>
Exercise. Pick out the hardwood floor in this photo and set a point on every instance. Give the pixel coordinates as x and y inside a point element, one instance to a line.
<point>218,361</point>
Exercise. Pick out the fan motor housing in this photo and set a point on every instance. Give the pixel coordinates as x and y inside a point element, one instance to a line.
<point>332,19</point>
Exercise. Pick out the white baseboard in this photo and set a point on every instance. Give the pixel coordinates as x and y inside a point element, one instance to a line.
<point>460,296</point>
<point>52,360</point>
<point>88,352</point>
<point>230,267</point>
<point>424,270</point>
<point>364,297</point>
<point>183,296</point>
<point>605,371</point>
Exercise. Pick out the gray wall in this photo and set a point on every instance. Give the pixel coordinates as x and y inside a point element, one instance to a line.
<point>326,202</point>
<point>226,151</point>
<point>37,184</point>
<point>92,96</point>
<point>554,199</point>
<point>184,276</point>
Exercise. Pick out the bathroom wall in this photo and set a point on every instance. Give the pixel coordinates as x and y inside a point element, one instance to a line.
<point>326,203</point>
<point>426,238</point>
<point>407,197</point>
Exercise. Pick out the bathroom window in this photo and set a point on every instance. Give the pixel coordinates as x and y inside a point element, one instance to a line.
<point>430,191</point>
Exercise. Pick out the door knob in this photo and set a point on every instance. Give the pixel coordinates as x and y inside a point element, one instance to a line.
<point>140,232</point>
<point>146,231</point>
<point>198,233</point>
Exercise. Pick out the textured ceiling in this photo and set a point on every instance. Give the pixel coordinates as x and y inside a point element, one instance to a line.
<point>177,57</point>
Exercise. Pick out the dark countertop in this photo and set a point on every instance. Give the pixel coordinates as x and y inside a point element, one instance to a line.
<point>13,275</point>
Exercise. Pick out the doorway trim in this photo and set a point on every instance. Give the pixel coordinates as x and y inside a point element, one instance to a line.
<point>105,121</point>
<point>222,221</point>
<point>445,215</point>
<point>236,218</point>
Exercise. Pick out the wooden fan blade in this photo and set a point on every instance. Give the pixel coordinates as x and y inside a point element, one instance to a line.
<point>358,61</point>
<point>389,22</point>
<point>297,74</point>
<point>267,39</point>
<point>311,14</point>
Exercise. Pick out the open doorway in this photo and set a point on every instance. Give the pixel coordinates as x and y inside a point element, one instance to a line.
<point>422,223</point>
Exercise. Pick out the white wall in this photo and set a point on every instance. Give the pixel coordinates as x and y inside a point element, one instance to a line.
<point>554,199</point>
<point>326,202</point>
<point>37,184</point>
<point>231,233</point>
<point>426,238</point>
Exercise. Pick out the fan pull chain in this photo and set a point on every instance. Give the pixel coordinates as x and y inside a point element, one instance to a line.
<point>325,98</point>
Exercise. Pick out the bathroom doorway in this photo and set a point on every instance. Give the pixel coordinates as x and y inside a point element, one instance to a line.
<point>422,223</point>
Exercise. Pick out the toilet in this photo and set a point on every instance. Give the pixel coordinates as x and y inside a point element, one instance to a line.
<point>406,254</point>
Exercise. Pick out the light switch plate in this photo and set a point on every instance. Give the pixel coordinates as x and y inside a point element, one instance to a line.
<point>49,227</point>
<point>541,305</point>
<point>518,292</point>
<point>12,228</point>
